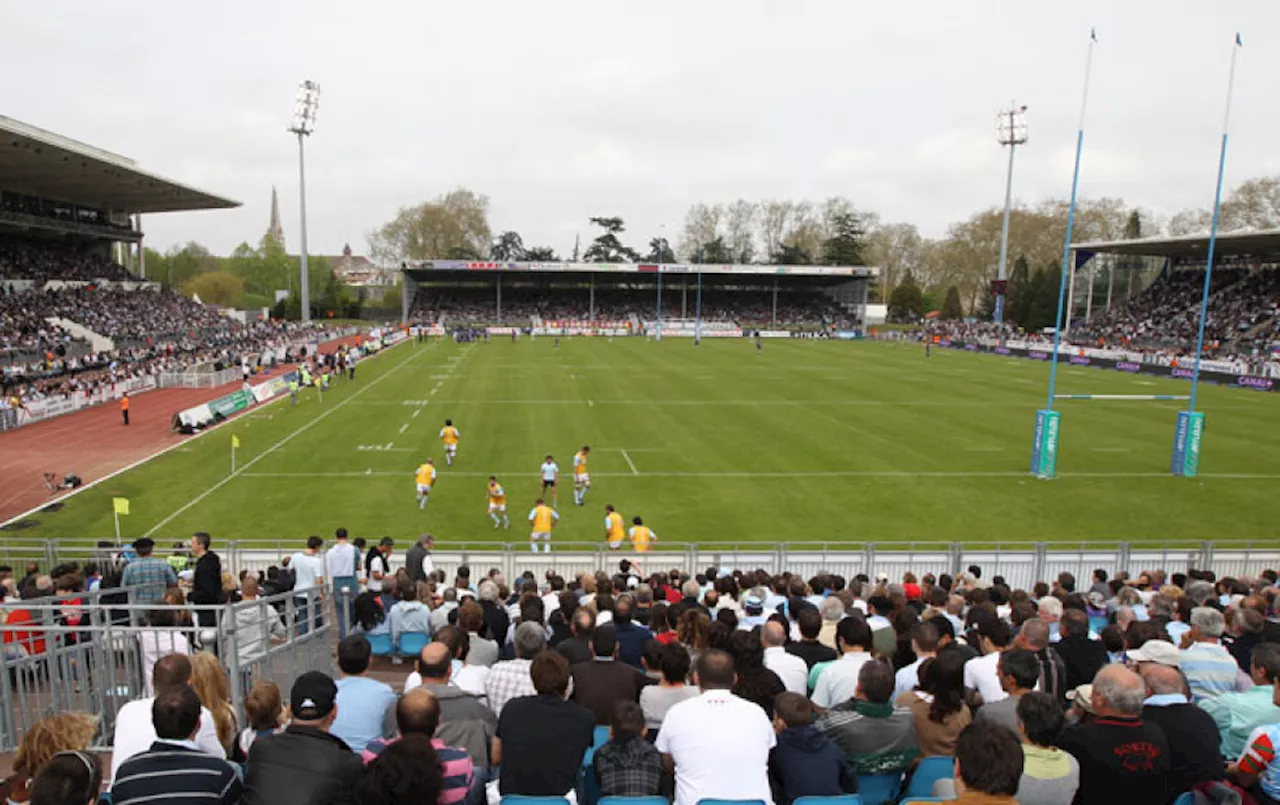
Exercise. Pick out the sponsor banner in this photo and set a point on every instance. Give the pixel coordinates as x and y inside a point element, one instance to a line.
<point>501,330</point>
<point>1235,380</point>
<point>230,404</point>
<point>774,333</point>
<point>273,387</point>
<point>646,268</point>
<point>847,335</point>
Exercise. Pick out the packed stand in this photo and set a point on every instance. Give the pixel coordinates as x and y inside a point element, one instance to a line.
<point>42,261</point>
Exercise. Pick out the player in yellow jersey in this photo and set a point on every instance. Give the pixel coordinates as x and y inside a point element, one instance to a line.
<point>614,530</point>
<point>581,480</point>
<point>542,518</point>
<point>449,435</point>
<point>641,535</point>
<point>426,478</point>
<point>497,503</point>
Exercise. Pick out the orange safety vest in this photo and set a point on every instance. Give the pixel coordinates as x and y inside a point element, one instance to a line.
<point>124,403</point>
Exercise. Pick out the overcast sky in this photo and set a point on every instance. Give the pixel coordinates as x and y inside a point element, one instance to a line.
<point>562,110</point>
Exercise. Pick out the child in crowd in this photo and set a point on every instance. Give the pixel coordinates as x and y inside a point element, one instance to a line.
<point>804,763</point>
<point>628,765</point>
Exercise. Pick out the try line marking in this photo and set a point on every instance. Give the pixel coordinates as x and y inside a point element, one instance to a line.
<point>1241,476</point>
<point>306,426</point>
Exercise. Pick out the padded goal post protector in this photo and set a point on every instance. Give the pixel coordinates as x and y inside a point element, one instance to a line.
<point>1186,443</point>
<point>1044,453</point>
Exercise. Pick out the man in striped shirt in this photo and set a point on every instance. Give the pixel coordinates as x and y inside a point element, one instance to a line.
<point>1208,666</point>
<point>418,713</point>
<point>175,769</point>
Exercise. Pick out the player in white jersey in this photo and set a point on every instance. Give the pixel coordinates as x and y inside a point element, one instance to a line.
<point>550,473</point>
<point>581,480</point>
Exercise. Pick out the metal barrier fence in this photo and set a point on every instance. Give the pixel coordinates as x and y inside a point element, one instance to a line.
<point>53,663</point>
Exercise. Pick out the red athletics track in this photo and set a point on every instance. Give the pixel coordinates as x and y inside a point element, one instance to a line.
<point>94,443</point>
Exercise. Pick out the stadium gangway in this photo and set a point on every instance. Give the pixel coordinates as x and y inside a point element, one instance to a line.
<point>98,665</point>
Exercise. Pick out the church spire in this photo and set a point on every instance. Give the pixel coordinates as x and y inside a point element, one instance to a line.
<point>275,231</point>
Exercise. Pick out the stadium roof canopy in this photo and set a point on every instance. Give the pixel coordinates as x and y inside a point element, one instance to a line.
<point>1257,243</point>
<point>40,163</point>
<point>425,268</point>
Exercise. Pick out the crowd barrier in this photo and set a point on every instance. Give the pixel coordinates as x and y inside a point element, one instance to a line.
<point>104,661</point>
<point>40,410</point>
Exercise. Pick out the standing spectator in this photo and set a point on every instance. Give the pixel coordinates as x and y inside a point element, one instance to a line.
<point>409,772</point>
<point>257,624</point>
<point>628,765</point>
<point>938,705</point>
<point>603,681</point>
<point>464,721</point>
<point>1122,758</point>
<point>542,738</point>
<point>1208,666</point>
<point>1190,731</point>
<point>924,644</point>
<point>416,559</point>
<point>418,715</point>
<point>839,680</point>
<point>377,563</point>
<point>206,583</point>
<point>988,766</point>
<point>174,769</point>
<point>631,636</point>
<point>308,584</point>
<point>135,732</point>
<point>303,765</point>
<point>716,744</point>
<point>1237,715</point>
<point>805,763</point>
<point>1082,657</point>
<point>809,648</point>
<point>1019,673</point>
<point>657,700</point>
<point>790,669</point>
<point>511,678</point>
<point>365,706</point>
<point>877,736</point>
<point>149,574</point>
<point>1050,776</point>
<point>43,740</point>
<point>342,564</point>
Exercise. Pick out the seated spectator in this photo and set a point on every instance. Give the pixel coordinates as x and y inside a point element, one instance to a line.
<point>264,710</point>
<point>68,778</point>
<point>789,668</point>
<point>805,762</point>
<point>408,772</point>
<point>989,766</point>
<point>1050,776</point>
<point>1258,768</point>
<point>1208,666</point>
<point>832,612</point>
<point>43,740</point>
<point>1082,657</point>
<point>1237,715</point>
<point>1246,634</point>
<point>717,745</point>
<point>1122,758</point>
<point>924,645</point>
<point>982,674</point>
<point>175,769</point>
<point>672,688</point>
<point>408,614</point>
<point>542,738</point>
<point>631,636</point>
<point>938,705</point>
<point>418,715</point>
<point>368,616</point>
<point>209,681</point>
<point>875,735</point>
<point>628,765</point>
<point>135,732</point>
<point>305,764</point>
<point>1034,637</point>
<point>482,652</point>
<point>577,647</point>
<point>1190,731</point>
<point>464,720</point>
<point>755,683</point>
<point>1019,672</point>
<point>365,705</point>
<point>603,681</point>
<point>510,678</point>
<point>839,680</point>
<point>809,648</point>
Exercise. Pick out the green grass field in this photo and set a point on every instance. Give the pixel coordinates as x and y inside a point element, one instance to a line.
<point>809,441</point>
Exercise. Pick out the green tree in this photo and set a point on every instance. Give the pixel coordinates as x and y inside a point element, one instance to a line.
<point>716,251</point>
<point>184,262</point>
<point>452,226</point>
<point>541,254</point>
<point>660,251</point>
<point>215,288</point>
<point>607,248</point>
<point>1018,297</point>
<point>844,245</point>
<point>906,304</point>
<point>952,310</point>
<point>790,255</point>
<point>508,246</point>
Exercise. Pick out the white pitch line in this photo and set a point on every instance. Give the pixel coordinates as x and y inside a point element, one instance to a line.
<point>591,403</point>
<point>277,446</point>
<point>630,463</point>
<point>405,426</point>
<point>984,449</point>
<point>1227,476</point>
<point>1110,449</point>
<point>415,414</point>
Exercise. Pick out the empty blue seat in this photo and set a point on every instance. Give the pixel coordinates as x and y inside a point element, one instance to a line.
<point>634,801</point>
<point>877,789</point>
<point>599,739</point>
<point>930,770</point>
<point>730,802</point>
<point>381,644</point>
<point>842,799</point>
<point>520,799</point>
<point>411,644</point>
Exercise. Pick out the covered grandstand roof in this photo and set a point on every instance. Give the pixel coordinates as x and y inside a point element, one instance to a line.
<point>849,272</point>
<point>1254,242</point>
<point>41,163</point>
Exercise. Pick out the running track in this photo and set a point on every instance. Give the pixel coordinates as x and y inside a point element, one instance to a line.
<point>94,442</point>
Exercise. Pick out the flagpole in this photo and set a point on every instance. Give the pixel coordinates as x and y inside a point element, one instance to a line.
<point>233,456</point>
<point>1071,220</point>
<point>1213,228</point>
<point>116,516</point>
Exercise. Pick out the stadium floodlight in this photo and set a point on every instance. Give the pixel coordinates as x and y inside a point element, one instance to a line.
<point>304,122</point>
<point>1011,130</point>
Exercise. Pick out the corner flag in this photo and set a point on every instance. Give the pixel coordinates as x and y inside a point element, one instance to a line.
<point>235,440</point>
<point>120,505</point>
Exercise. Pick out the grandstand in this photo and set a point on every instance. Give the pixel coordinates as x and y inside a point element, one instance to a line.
<point>624,298</point>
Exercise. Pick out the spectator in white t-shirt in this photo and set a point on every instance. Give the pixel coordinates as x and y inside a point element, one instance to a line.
<point>839,680</point>
<point>924,643</point>
<point>982,673</point>
<point>792,670</point>
<point>308,570</point>
<point>135,732</point>
<point>717,744</point>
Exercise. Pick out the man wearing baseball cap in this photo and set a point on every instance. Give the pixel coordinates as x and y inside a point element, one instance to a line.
<point>304,764</point>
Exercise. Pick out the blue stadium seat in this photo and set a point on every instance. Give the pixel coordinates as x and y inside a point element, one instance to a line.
<point>842,799</point>
<point>1185,798</point>
<point>600,738</point>
<point>930,770</point>
<point>411,644</point>
<point>1097,623</point>
<point>520,799</point>
<point>922,800</point>
<point>634,801</point>
<point>381,644</point>
<point>730,802</point>
<point>877,789</point>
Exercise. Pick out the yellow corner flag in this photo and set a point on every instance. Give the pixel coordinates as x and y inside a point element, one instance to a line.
<point>121,505</point>
<point>235,440</point>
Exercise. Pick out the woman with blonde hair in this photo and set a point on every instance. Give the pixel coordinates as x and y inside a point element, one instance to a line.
<point>65,732</point>
<point>210,683</point>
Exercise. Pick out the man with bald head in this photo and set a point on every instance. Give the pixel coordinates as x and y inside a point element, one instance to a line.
<point>1034,637</point>
<point>463,719</point>
<point>418,713</point>
<point>1122,757</point>
<point>792,670</point>
<point>1192,733</point>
